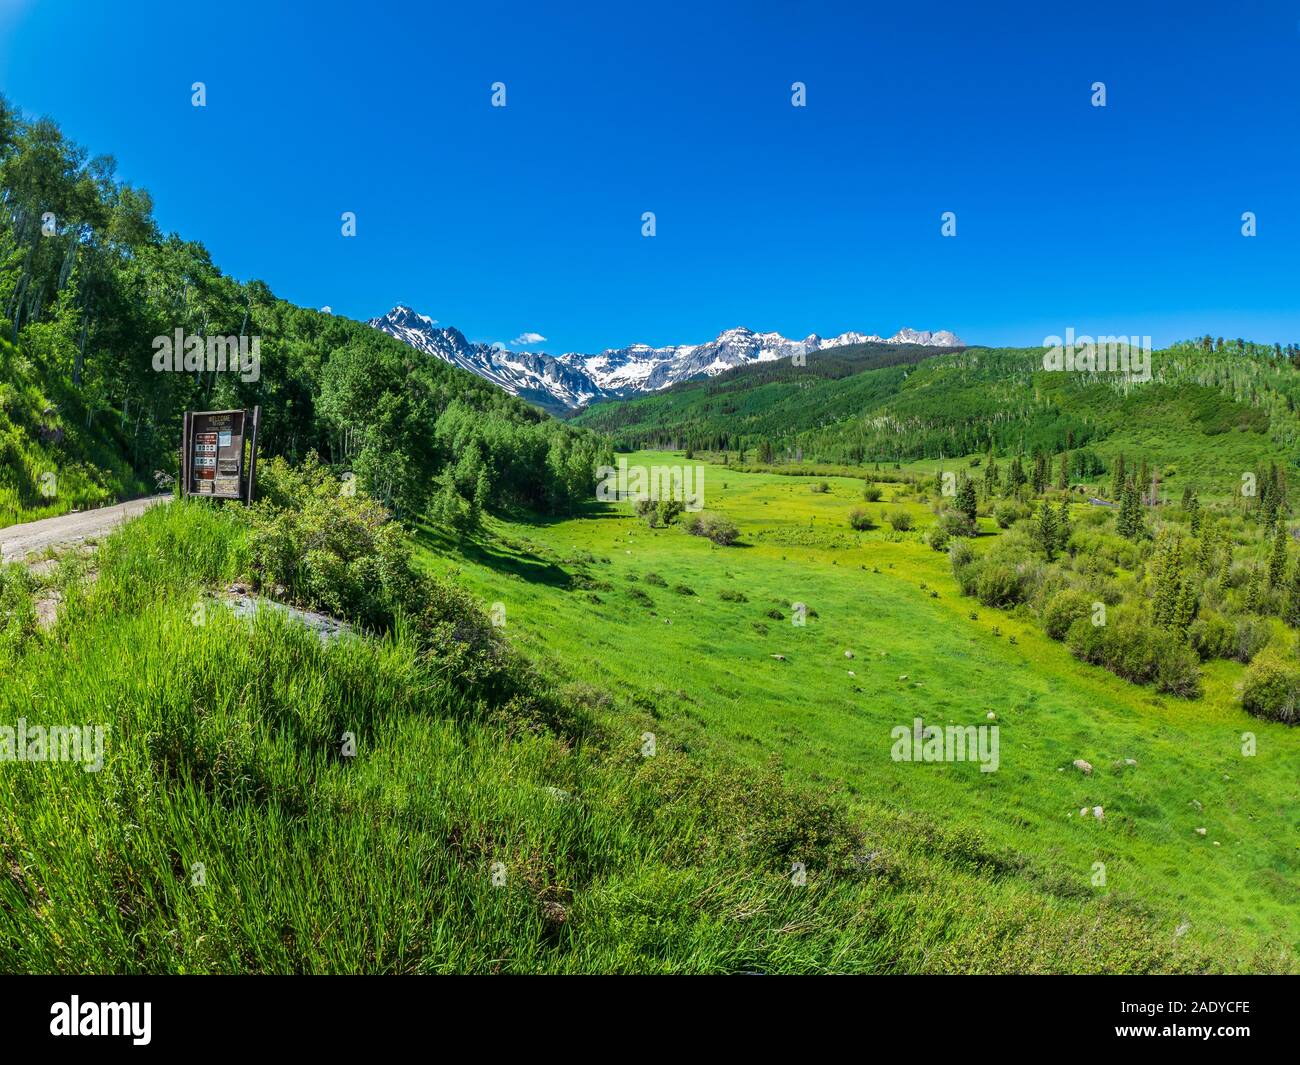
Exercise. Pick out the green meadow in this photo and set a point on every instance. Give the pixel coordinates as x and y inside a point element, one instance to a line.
<point>652,616</point>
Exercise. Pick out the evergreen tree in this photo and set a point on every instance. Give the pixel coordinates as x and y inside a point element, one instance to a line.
<point>1130,524</point>
<point>1063,477</point>
<point>1277,561</point>
<point>1040,473</point>
<point>965,501</point>
<point>1118,480</point>
<point>1063,526</point>
<point>1045,532</point>
<point>1015,476</point>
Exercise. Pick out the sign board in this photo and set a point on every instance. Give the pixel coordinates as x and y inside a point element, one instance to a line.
<point>212,453</point>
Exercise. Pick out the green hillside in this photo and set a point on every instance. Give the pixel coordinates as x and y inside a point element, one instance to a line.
<point>1208,413</point>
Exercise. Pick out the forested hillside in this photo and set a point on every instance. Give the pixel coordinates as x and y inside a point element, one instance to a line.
<point>88,281</point>
<point>1217,407</point>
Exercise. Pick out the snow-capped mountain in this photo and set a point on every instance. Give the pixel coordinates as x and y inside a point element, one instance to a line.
<point>573,380</point>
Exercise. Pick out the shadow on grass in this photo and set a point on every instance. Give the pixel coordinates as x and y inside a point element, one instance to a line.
<point>520,563</point>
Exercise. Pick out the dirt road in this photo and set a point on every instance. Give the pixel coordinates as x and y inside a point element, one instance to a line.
<point>18,541</point>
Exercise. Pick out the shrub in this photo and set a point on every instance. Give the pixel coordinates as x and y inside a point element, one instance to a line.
<point>821,487</point>
<point>872,493</point>
<point>899,520</point>
<point>937,536</point>
<point>1271,687</point>
<point>713,526</point>
<point>683,589</point>
<point>1006,515</point>
<point>656,580</point>
<point>1212,636</point>
<point>955,523</point>
<point>730,595</point>
<point>1252,636</point>
<point>1131,647</point>
<point>999,584</point>
<point>1063,609</point>
<point>859,519</point>
<point>960,554</point>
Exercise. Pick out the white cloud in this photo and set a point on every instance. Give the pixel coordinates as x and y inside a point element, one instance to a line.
<point>496,345</point>
<point>524,339</point>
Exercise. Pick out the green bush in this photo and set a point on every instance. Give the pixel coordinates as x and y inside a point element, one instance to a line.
<point>999,584</point>
<point>1131,647</point>
<point>713,526</point>
<point>1063,609</point>
<point>859,519</point>
<point>1252,636</point>
<point>872,493</point>
<point>899,520</point>
<point>1212,636</point>
<point>1271,687</point>
<point>1006,515</point>
<point>937,536</point>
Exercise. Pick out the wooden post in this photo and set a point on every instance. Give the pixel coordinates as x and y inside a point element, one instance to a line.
<point>252,456</point>
<point>186,448</point>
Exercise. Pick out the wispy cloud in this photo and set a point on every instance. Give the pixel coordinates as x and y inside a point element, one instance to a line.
<point>524,339</point>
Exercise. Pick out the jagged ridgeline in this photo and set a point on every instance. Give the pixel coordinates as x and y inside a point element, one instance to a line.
<point>87,285</point>
<point>1218,407</point>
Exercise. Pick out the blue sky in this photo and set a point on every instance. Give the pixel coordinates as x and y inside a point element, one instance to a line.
<point>505,221</point>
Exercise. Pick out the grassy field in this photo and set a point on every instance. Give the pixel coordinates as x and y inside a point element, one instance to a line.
<point>581,596</point>
<point>227,830</point>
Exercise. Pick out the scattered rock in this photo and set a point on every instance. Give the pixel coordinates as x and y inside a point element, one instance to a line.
<point>852,674</point>
<point>1130,761</point>
<point>554,912</point>
<point>1098,813</point>
<point>1197,804</point>
<point>779,658</point>
<point>991,716</point>
<point>1200,831</point>
<point>558,793</point>
<point>902,676</point>
<point>848,654</point>
<point>1083,767</point>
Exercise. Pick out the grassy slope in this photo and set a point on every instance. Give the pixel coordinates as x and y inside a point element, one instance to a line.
<point>223,751</point>
<point>709,679</point>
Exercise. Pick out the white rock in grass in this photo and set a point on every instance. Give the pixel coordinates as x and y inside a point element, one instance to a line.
<point>848,654</point>
<point>991,716</point>
<point>1098,813</point>
<point>1083,767</point>
<point>1200,831</point>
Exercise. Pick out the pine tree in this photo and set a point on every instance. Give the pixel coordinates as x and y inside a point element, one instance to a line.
<point>1130,524</point>
<point>966,502</point>
<point>1046,532</point>
<point>1063,478</point>
<point>1193,507</point>
<point>1040,473</point>
<point>1118,481</point>
<point>1015,476</point>
<point>1063,527</point>
<point>1277,562</point>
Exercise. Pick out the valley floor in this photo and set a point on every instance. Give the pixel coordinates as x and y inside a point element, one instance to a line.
<point>603,600</point>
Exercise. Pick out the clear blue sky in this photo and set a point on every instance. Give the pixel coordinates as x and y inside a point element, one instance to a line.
<point>527,219</point>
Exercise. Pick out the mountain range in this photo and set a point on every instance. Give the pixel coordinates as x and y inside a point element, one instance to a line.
<point>571,381</point>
